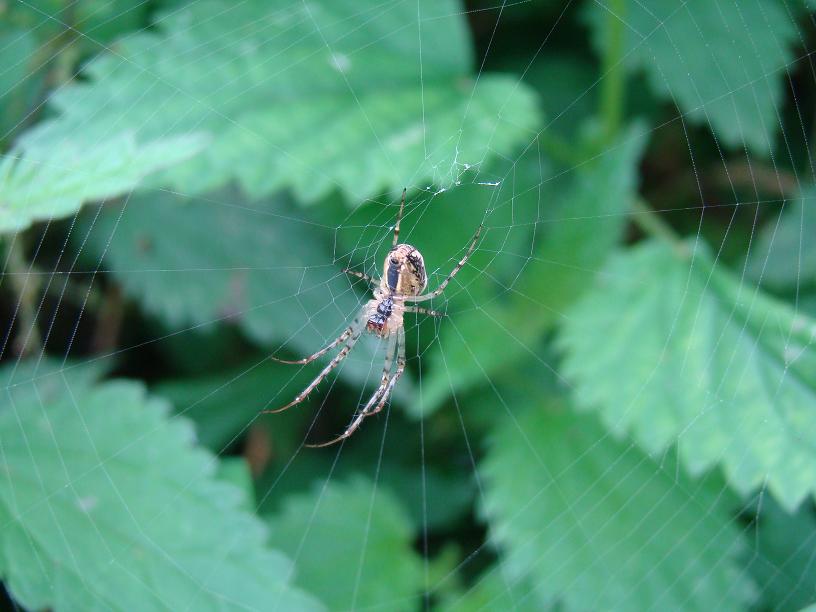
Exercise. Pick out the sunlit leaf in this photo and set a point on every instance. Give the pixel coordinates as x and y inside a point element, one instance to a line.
<point>677,350</point>
<point>105,504</point>
<point>314,96</point>
<point>722,63</point>
<point>597,525</point>
<point>51,182</point>
<point>352,546</point>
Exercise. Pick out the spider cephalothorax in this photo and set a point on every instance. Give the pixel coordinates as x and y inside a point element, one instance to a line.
<point>404,279</point>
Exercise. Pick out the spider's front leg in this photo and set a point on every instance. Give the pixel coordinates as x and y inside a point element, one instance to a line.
<point>457,267</point>
<point>370,279</point>
<point>425,311</point>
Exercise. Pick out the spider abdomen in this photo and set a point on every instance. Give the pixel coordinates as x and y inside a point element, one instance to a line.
<point>382,318</point>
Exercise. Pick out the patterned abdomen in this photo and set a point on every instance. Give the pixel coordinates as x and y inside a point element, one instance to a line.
<point>378,319</point>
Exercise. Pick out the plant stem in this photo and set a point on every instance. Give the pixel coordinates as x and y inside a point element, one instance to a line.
<point>27,287</point>
<point>613,91</point>
<point>613,95</point>
<point>650,222</point>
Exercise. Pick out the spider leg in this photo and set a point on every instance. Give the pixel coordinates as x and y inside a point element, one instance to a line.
<point>462,262</point>
<point>425,311</point>
<point>351,329</point>
<point>362,275</point>
<point>331,365</point>
<point>400,369</point>
<point>399,218</point>
<point>383,391</point>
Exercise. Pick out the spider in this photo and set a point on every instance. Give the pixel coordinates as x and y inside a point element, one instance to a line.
<point>403,281</point>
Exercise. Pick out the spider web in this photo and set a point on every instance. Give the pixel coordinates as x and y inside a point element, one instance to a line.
<point>462,426</point>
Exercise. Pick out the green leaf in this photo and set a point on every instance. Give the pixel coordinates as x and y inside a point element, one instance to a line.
<point>722,63</point>
<point>105,503</point>
<point>677,350</point>
<point>784,256</point>
<point>575,231</point>
<point>315,97</point>
<point>596,524</point>
<point>352,546</point>
<point>258,265</point>
<point>782,560</point>
<point>51,182</point>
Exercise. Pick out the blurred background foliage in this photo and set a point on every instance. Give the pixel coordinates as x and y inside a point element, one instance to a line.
<point>618,412</point>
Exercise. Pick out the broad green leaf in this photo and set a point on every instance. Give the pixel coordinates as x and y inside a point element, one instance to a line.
<point>596,524</point>
<point>314,96</point>
<point>51,182</point>
<point>782,560</point>
<point>235,470</point>
<point>105,504</point>
<point>722,63</point>
<point>49,374</point>
<point>574,233</point>
<point>352,544</point>
<point>784,255</point>
<point>674,349</point>
<point>261,265</point>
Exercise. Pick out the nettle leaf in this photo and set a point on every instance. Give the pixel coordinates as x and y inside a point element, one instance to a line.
<point>259,265</point>
<point>51,182</point>
<point>722,63</point>
<point>311,96</point>
<point>709,363</point>
<point>575,230</point>
<point>106,504</point>
<point>597,525</point>
<point>352,544</point>
<point>784,255</point>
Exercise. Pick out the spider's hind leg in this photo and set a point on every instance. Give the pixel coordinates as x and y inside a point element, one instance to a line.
<point>380,397</point>
<point>349,336</point>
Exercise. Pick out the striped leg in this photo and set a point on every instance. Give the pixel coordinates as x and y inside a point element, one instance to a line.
<point>425,311</point>
<point>355,327</point>
<point>362,275</point>
<point>318,379</point>
<point>462,262</point>
<point>400,369</point>
<point>399,218</point>
<point>382,392</point>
